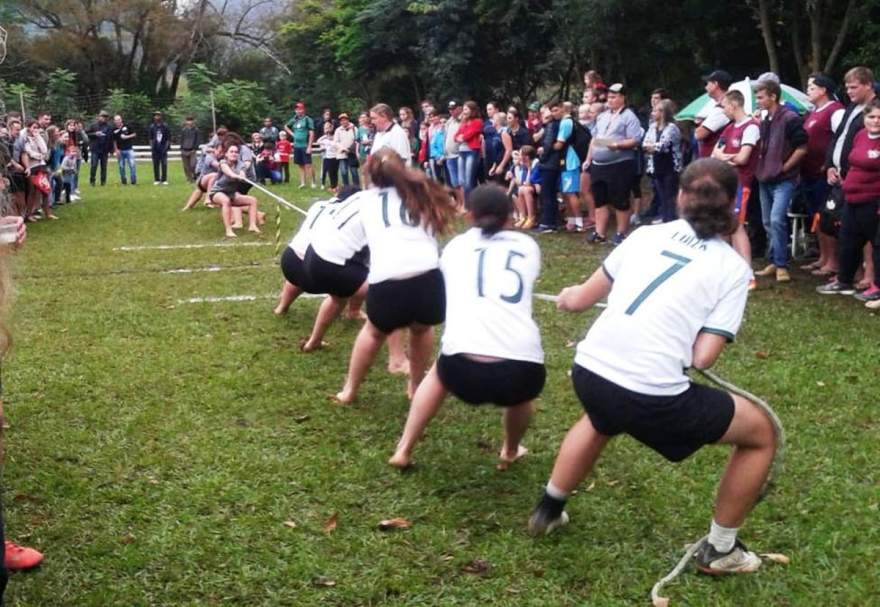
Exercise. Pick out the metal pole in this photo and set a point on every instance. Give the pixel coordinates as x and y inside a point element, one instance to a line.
<point>213,112</point>
<point>21,99</point>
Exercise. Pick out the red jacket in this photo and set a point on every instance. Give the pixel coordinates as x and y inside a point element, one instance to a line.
<point>472,133</point>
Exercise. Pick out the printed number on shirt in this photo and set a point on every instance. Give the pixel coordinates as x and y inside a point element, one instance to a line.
<point>517,295</point>
<point>404,215</point>
<point>680,262</point>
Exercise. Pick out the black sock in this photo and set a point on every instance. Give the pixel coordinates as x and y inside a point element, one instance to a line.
<point>551,506</point>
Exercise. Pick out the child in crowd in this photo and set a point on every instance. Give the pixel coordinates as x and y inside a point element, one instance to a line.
<point>525,185</point>
<point>69,165</point>
<point>283,150</point>
<point>267,168</point>
<point>329,160</point>
<point>436,145</point>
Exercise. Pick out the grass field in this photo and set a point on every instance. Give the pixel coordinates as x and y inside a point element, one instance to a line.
<point>165,453</point>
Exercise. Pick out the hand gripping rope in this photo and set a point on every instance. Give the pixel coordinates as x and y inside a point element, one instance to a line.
<point>772,477</point>
<point>279,202</point>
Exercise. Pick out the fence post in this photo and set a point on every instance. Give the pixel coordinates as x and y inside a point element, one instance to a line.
<point>213,112</point>
<point>21,99</point>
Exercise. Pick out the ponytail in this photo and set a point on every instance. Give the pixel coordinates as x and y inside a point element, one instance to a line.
<point>426,201</point>
<point>490,207</point>
<point>708,190</point>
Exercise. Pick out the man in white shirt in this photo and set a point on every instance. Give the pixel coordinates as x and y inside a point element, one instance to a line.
<point>389,134</point>
<point>709,130</point>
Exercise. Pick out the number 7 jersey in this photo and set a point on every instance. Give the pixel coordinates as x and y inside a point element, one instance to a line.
<point>489,282</point>
<point>668,285</point>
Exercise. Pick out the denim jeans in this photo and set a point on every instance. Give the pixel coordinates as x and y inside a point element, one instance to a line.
<point>127,157</point>
<point>452,176</point>
<point>467,170</point>
<point>349,173</point>
<point>775,201</point>
<point>98,158</point>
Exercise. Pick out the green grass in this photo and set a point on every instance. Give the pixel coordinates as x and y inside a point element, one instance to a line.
<point>157,448</point>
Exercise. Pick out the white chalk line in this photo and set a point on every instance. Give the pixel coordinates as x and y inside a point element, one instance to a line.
<point>234,298</point>
<point>171,247</point>
<point>213,269</point>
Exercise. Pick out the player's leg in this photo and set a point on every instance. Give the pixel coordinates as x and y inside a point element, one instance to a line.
<point>516,421</point>
<point>398,363</point>
<point>367,344</point>
<point>289,293</point>
<point>327,313</point>
<point>426,402</point>
<point>421,345</point>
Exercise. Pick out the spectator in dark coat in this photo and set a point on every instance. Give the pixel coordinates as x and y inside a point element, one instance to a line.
<point>160,142</point>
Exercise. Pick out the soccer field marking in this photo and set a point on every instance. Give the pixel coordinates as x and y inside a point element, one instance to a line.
<point>235,298</point>
<point>206,245</point>
<point>213,269</point>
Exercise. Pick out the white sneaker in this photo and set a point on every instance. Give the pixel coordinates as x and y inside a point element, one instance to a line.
<point>737,560</point>
<point>314,185</point>
<point>164,183</point>
<point>155,183</point>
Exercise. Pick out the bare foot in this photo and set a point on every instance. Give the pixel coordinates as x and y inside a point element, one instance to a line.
<point>355,315</point>
<point>261,218</point>
<point>254,229</point>
<point>306,346</point>
<point>398,367</point>
<point>400,460</point>
<point>279,310</point>
<point>51,216</point>
<point>230,234</point>
<point>505,459</point>
<point>344,397</point>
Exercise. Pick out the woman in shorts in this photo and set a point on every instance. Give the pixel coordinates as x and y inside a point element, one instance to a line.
<point>399,218</point>
<point>207,170</point>
<point>676,294</point>
<point>491,348</point>
<point>224,192</point>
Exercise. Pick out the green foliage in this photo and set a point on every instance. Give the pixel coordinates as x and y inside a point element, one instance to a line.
<point>135,108</point>
<point>240,105</point>
<point>61,93</point>
<point>17,93</point>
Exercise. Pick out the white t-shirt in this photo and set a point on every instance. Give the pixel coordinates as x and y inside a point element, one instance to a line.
<point>319,211</point>
<point>396,139</point>
<point>398,249</point>
<point>489,282</point>
<point>752,133</point>
<point>715,120</point>
<point>668,286</point>
<point>333,240</point>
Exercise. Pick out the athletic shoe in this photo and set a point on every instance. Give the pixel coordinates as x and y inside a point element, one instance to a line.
<point>594,238</point>
<point>545,229</point>
<point>769,270</point>
<point>302,185</point>
<point>155,183</point>
<point>871,294</point>
<point>618,238</point>
<point>736,560</point>
<point>835,288</point>
<point>164,183</point>
<point>19,558</point>
<point>782,275</point>
<point>541,523</point>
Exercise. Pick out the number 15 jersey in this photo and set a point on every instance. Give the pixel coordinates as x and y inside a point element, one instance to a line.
<point>489,282</point>
<point>668,286</point>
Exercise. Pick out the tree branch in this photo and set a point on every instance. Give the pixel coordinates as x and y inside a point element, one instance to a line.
<point>848,18</point>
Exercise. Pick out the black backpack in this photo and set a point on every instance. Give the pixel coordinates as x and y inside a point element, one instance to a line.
<point>580,140</point>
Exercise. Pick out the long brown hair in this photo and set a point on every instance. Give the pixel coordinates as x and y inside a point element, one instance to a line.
<point>708,189</point>
<point>426,201</point>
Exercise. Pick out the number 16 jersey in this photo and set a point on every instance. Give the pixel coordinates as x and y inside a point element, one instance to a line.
<point>489,282</point>
<point>668,285</point>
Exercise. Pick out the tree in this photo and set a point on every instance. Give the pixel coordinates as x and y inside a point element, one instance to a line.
<point>61,93</point>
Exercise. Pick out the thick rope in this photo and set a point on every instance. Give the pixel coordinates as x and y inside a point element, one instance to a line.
<point>277,198</point>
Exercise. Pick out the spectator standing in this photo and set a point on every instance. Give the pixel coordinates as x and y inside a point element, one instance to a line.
<point>100,143</point>
<point>269,132</point>
<point>470,143</point>
<point>123,140</point>
<point>782,148</point>
<point>502,149</point>
<point>519,134</point>
<point>78,139</point>
<point>612,164</point>
<point>709,129</point>
<point>662,147</point>
<point>570,179</point>
<point>344,136</point>
<point>550,159</point>
<point>365,133</point>
<point>160,142</point>
<point>329,157</point>
<point>190,140</point>
<point>301,129</point>
<point>283,150</point>
<point>389,134</point>
<point>436,145</point>
<point>535,121</point>
<point>411,126</point>
<point>453,179</point>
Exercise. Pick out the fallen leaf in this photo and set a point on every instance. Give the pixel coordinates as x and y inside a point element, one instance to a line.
<point>476,567</point>
<point>612,483</point>
<point>570,344</point>
<point>330,525</point>
<point>394,523</point>
<point>301,418</point>
<point>447,557</point>
<point>776,557</point>
<point>127,539</point>
<point>153,481</point>
<point>290,524</point>
<point>323,582</point>
<point>592,486</point>
<point>762,355</point>
<point>821,384</point>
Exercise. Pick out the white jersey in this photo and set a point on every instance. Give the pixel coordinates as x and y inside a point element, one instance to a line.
<point>319,211</point>
<point>396,139</point>
<point>333,240</point>
<point>399,248</point>
<point>668,286</point>
<point>489,282</point>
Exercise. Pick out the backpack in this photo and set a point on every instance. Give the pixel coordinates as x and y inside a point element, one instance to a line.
<point>580,140</point>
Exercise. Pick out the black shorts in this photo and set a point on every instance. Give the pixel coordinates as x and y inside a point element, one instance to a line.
<point>294,271</point>
<point>18,182</point>
<point>301,156</point>
<point>323,276</point>
<point>243,187</point>
<point>229,195</point>
<point>612,184</point>
<point>505,383</point>
<point>673,426</point>
<point>394,304</point>
<point>199,181</point>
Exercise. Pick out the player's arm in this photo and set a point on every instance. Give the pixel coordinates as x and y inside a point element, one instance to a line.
<point>584,296</point>
<point>707,349</point>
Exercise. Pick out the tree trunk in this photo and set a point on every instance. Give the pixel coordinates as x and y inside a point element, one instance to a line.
<point>815,14</point>
<point>803,69</point>
<point>848,18</point>
<point>766,24</point>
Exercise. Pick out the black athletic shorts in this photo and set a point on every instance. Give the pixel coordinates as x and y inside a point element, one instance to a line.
<point>324,276</point>
<point>294,271</point>
<point>505,383</point>
<point>301,156</point>
<point>673,426</point>
<point>394,304</point>
<point>612,184</point>
<point>242,187</point>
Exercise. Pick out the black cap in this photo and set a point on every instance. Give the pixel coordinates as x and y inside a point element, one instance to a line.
<point>724,79</point>
<point>825,82</point>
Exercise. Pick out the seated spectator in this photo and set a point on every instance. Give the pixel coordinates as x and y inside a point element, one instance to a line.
<point>525,186</point>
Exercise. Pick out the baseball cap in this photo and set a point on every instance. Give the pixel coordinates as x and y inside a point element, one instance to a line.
<point>618,88</point>
<point>720,76</point>
<point>769,77</point>
<point>534,106</point>
<point>104,113</point>
<point>300,105</point>
<point>343,115</point>
<point>453,104</point>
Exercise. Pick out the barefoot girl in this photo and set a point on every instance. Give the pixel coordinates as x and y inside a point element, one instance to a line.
<point>224,192</point>
<point>398,218</point>
<point>676,294</point>
<point>207,170</point>
<point>491,348</point>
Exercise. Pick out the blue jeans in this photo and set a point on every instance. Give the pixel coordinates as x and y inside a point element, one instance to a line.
<point>349,173</point>
<point>127,157</point>
<point>775,201</point>
<point>467,170</point>
<point>452,175</point>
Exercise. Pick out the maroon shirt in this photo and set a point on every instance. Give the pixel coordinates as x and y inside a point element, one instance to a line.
<point>818,127</point>
<point>862,182</point>
<point>732,136</point>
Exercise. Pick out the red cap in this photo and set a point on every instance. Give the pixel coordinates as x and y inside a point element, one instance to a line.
<point>300,105</point>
